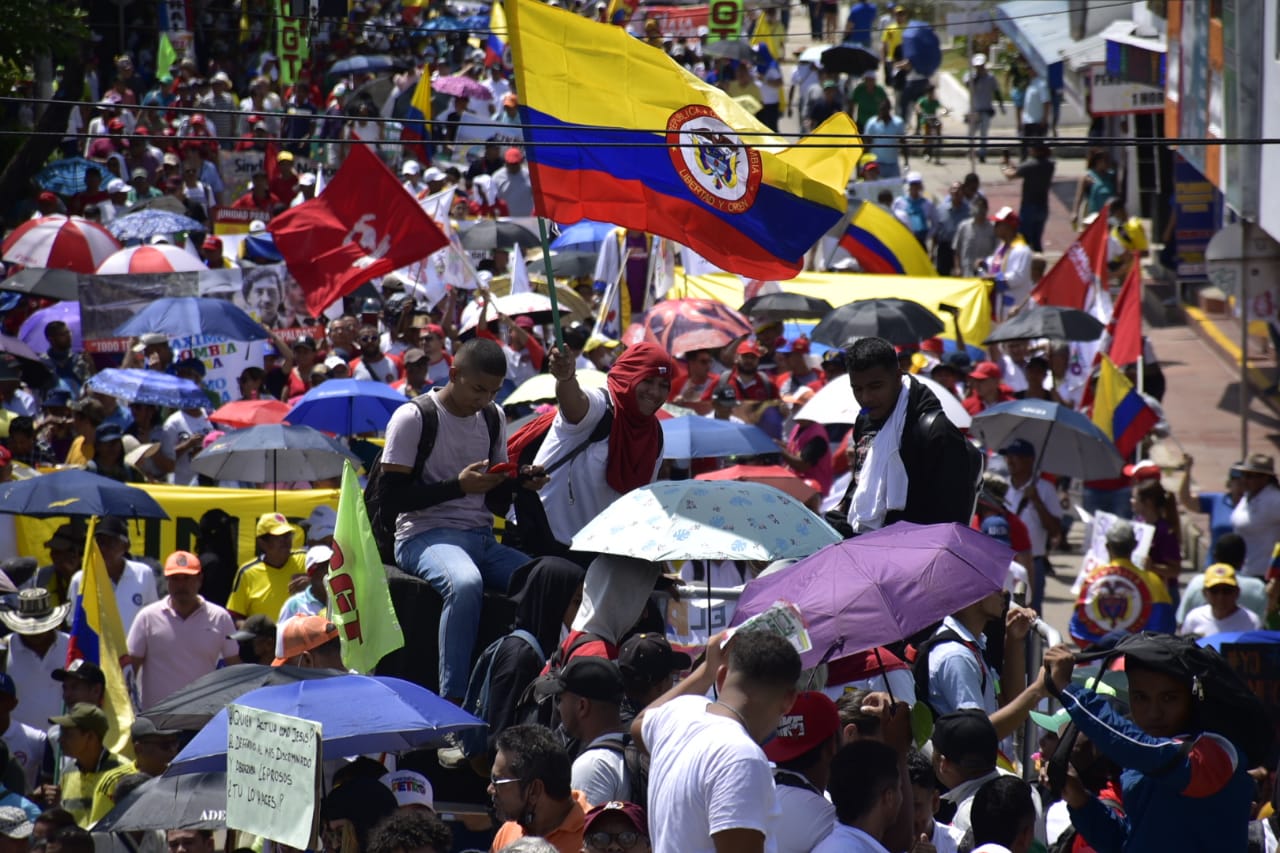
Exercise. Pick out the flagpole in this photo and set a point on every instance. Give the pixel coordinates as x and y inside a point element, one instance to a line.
<point>551,282</point>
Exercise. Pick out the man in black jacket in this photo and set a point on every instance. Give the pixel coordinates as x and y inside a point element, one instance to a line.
<point>931,477</point>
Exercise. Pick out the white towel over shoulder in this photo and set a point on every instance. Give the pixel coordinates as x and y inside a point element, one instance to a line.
<point>882,482</point>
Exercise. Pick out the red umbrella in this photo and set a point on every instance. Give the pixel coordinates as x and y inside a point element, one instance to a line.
<point>683,325</point>
<point>782,479</point>
<point>150,259</point>
<point>247,413</point>
<point>60,242</point>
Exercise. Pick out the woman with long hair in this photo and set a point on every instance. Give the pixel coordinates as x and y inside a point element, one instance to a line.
<point>1158,507</point>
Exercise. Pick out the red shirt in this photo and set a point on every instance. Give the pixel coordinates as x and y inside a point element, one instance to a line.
<point>284,188</point>
<point>248,202</point>
<point>973,404</point>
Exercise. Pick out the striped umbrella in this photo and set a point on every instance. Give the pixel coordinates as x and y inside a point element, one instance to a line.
<point>60,242</point>
<point>160,258</point>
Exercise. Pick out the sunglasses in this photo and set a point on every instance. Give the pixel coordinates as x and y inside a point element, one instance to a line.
<point>367,338</point>
<point>626,839</point>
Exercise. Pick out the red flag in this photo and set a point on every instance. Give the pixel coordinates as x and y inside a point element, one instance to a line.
<point>1067,284</point>
<point>363,225</point>
<point>1126,319</point>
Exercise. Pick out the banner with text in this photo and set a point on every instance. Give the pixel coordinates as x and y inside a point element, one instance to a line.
<point>273,775</point>
<point>291,43</point>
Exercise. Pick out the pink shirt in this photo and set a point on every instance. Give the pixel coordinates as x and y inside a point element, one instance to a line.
<point>176,651</point>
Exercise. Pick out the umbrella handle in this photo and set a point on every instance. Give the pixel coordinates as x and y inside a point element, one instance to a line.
<point>551,282</point>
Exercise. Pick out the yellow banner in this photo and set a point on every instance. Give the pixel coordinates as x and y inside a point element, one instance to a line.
<point>967,294</point>
<point>186,504</point>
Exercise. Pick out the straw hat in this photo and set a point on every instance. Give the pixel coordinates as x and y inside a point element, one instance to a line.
<point>35,614</point>
<point>1257,463</point>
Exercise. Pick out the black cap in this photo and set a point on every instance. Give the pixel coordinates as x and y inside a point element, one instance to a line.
<point>650,658</point>
<point>112,525</point>
<point>590,677</point>
<point>725,396</point>
<point>967,738</point>
<point>305,341</point>
<point>81,670</point>
<point>108,432</point>
<point>257,625</point>
<point>144,728</point>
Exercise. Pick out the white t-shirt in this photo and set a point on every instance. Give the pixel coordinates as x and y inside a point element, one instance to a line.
<point>849,839</point>
<point>39,696</point>
<point>383,370</point>
<point>459,442</point>
<point>946,839</point>
<point>136,589</point>
<point>577,491</point>
<point>177,428</point>
<point>807,818</point>
<point>600,773</point>
<point>1030,517</point>
<point>1200,621</point>
<point>706,775</point>
<point>26,745</point>
<point>1256,520</point>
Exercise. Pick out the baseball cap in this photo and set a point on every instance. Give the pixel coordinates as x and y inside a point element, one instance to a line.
<point>749,348</point>
<point>302,634</point>
<point>413,355</point>
<point>284,157</point>
<point>986,370</point>
<point>316,555</point>
<point>410,788</point>
<point>1006,214</point>
<point>997,527</point>
<point>411,167</point>
<point>1220,574</point>
<point>1143,470</point>
<point>272,524</point>
<point>524,322</point>
<point>725,396</point>
<point>257,625</point>
<point>335,361</point>
<point>181,563</point>
<point>979,60</point>
<point>211,243</point>
<point>915,178</point>
<point>307,179</point>
<point>15,824</point>
<point>592,677</point>
<point>967,738</point>
<point>632,812</point>
<point>650,658</point>
<point>304,341</point>
<point>84,716</point>
<point>812,720</point>
<point>800,345</point>
<point>81,670</point>
<point>322,521</point>
<point>144,728</point>
<point>153,339</point>
<point>510,100</point>
<point>108,432</point>
<point>171,159</point>
<point>513,155</point>
<point>1018,447</point>
<point>115,185</point>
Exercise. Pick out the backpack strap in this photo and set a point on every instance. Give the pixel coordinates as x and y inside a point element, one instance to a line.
<point>600,432</point>
<point>493,420</point>
<point>430,420</point>
<point>530,639</point>
<point>921,669</point>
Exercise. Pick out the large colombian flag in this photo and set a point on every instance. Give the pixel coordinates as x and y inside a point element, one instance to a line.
<point>883,245</point>
<point>1119,410</point>
<point>495,47</point>
<point>97,635</point>
<point>618,132</point>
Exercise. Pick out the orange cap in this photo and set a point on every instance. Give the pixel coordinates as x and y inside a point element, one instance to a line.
<point>302,634</point>
<point>182,563</point>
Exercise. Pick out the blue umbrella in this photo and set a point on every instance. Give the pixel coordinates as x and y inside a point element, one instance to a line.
<point>145,224</point>
<point>148,386</point>
<point>920,47</point>
<point>584,236</point>
<point>347,406</point>
<point>1230,638</point>
<point>1066,442</point>
<point>364,64</point>
<point>193,315</point>
<point>261,248</point>
<point>692,437</point>
<point>73,492</point>
<point>359,715</point>
<point>66,176</point>
<point>32,329</point>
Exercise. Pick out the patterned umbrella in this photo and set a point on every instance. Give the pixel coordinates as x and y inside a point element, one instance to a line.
<point>148,386</point>
<point>60,242</point>
<point>683,325</point>
<point>150,259</point>
<point>145,224</point>
<point>462,87</point>
<point>371,63</point>
<point>66,176</point>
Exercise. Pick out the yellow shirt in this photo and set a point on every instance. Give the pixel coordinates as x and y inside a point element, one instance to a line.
<point>259,588</point>
<point>892,38</point>
<point>78,454</point>
<point>89,796</point>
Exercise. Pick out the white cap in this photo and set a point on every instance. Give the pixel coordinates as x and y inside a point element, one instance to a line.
<point>321,522</point>
<point>411,167</point>
<point>316,555</point>
<point>257,225</point>
<point>220,77</point>
<point>335,361</point>
<point>869,75</point>
<point>410,789</point>
<point>115,185</point>
<point>433,174</point>
<point>979,60</point>
<point>915,178</point>
<point>307,179</point>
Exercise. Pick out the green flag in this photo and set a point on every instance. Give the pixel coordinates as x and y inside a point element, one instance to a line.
<point>359,600</point>
<point>165,59</point>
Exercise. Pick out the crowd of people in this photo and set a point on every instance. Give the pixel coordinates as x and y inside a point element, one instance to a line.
<point>605,731</point>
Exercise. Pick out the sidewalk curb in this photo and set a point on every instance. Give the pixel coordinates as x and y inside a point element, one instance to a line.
<point>1208,331</point>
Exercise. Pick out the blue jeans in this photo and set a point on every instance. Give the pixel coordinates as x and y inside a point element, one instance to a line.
<point>1033,217</point>
<point>459,564</point>
<point>1041,571</point>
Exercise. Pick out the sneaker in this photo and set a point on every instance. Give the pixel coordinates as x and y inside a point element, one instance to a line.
<point>451,757</point>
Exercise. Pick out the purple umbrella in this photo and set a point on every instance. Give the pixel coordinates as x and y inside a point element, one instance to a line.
<point>883,586</point>
<point>462,87</point>
<point>32,330</point>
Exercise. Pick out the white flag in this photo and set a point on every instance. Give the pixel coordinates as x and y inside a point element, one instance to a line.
<point>663,264</point>
<point>695,264</point>
<point>519,272</point>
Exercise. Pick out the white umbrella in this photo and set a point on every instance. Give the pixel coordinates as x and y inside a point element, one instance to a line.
<point>159,258</point>
<point>706,520</point>
<point>814,54</point>
<point>59,242</point>
<point>543,387</point>
<point>835,404</point>
<point>512,305</point>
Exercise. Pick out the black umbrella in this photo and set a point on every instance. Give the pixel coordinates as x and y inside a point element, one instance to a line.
<point>736,49</point>
<point>190,801</point>
<point>76,493</point>
<point>849,59</point>
<point>493,234</point>
<point>899,321</point>
<point>197,703</point>
<point>566,264</point>
<point>1048,321</point>
<point>785,306</point>
<point>21,367</point>
<point>57,284</point>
